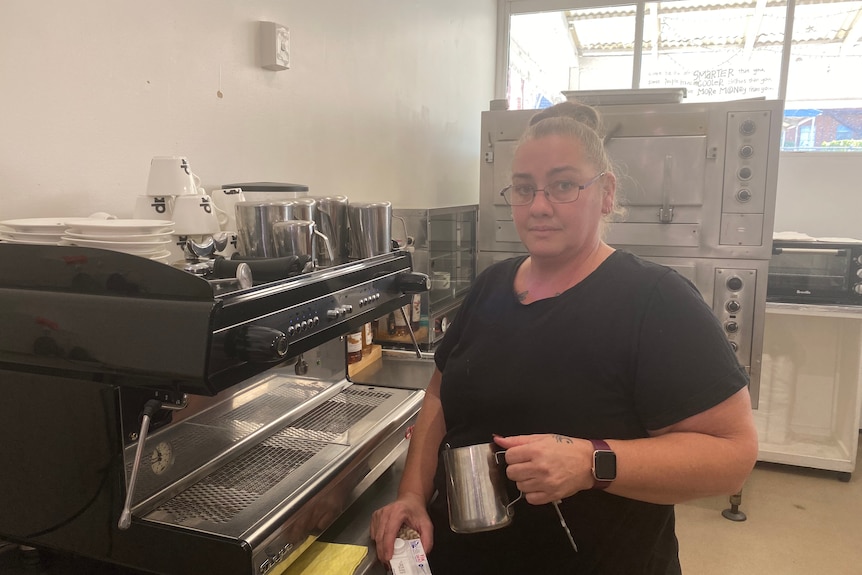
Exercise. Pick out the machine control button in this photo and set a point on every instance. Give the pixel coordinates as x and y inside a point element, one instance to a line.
<point>747,127</point>
<point>857,288</point>
<point>734,346</point>
<point>332,314</point>
<point>304,325</point>
<point>733,306</point>
<point>734,283</point>
<point>291,330</point>
<point>731,327</point>
<point>315,321</point>
<point>746,151</point>
<point>743,195</point>
<point>744,174</point>
<point>348,308</point>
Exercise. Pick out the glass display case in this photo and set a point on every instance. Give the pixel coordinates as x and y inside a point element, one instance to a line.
<point>444,246</point>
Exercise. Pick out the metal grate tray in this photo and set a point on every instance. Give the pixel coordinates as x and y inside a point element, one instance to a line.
<point>229,499</point>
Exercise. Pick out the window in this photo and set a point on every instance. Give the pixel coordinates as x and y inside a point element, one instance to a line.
<point>717,50</point>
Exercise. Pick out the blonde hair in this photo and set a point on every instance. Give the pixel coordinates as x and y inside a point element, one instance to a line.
<point>580,122</point>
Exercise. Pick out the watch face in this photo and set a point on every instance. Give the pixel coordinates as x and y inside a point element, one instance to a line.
<point>605,463</point>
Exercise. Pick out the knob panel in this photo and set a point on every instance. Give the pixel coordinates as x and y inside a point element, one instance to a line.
<point>734,304</point>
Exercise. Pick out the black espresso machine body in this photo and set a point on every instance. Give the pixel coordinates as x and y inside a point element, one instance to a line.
<point>244,460</point>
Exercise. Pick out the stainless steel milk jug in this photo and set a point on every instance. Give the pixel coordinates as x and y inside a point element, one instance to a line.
<point>254,222</point>
<point>370,229</point>
<point>331,220</point>
<point>476,488</point>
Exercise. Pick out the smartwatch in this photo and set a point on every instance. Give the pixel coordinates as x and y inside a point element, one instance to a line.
<point>604,464</point>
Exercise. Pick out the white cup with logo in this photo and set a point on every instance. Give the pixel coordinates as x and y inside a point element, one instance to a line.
<point>154,208</point>
<point>194,216</point>
<point>226,200</point>
<point>172,176</point>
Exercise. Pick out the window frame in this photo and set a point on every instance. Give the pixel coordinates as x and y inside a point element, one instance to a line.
<point>508,8</point>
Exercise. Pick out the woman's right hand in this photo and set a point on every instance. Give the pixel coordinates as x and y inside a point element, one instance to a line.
<point>386,522</point>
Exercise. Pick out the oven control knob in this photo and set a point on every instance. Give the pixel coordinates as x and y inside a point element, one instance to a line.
<point>734,283</point>
<point>733,306</point>
<point>332,314</point>
<point>731,327</point>
<point>257,344</point>
<point>411,282</point>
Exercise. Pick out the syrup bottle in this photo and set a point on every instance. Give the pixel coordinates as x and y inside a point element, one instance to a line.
<point>354,347</point>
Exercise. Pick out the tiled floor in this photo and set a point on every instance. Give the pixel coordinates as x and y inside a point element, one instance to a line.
<point>800,522</point>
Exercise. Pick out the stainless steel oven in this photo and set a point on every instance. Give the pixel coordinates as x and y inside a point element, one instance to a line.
<point>815,271</point>
<point>698,181</point>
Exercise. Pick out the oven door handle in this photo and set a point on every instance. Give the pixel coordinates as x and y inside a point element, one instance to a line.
<point>834,252</point>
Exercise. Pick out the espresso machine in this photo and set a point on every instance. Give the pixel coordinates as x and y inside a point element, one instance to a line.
<point>152,421</point>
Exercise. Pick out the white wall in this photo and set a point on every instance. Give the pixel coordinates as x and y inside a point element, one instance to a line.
<point>820,194</point>
<point>382,101</point>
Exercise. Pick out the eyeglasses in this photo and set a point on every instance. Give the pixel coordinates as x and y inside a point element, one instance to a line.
<point>559,192</point>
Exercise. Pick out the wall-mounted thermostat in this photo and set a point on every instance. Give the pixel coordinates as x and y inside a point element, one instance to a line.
<point>274,46</point>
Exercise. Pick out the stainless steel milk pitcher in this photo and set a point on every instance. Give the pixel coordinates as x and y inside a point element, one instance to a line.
<point>370,229</point>
<point>476,488</point>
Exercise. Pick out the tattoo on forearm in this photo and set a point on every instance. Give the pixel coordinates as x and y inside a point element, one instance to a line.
<point>562,439</point>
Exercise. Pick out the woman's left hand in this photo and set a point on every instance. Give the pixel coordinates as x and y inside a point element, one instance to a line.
<point>548,467</point>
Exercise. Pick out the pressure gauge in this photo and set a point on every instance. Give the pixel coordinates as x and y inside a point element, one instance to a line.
<point>161,457</point>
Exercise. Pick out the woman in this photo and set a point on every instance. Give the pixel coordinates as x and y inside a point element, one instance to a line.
<point>556,352</point>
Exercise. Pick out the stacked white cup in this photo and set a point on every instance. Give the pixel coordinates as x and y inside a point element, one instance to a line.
<point>174,194</point>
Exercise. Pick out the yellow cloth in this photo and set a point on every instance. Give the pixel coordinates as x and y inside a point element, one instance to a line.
<point>326,559</point>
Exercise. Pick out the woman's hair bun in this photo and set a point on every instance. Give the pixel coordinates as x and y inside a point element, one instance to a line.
<point>582,113</point>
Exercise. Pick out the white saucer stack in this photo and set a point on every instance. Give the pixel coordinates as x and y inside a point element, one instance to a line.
<point>40,231</point>
<point>146,238</point>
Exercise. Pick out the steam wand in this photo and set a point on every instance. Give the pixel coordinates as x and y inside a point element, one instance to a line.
<point>412,335</point>
<point>151,407</point>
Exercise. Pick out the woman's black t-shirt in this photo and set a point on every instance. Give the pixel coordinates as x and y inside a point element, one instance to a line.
<point>631,348</point>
